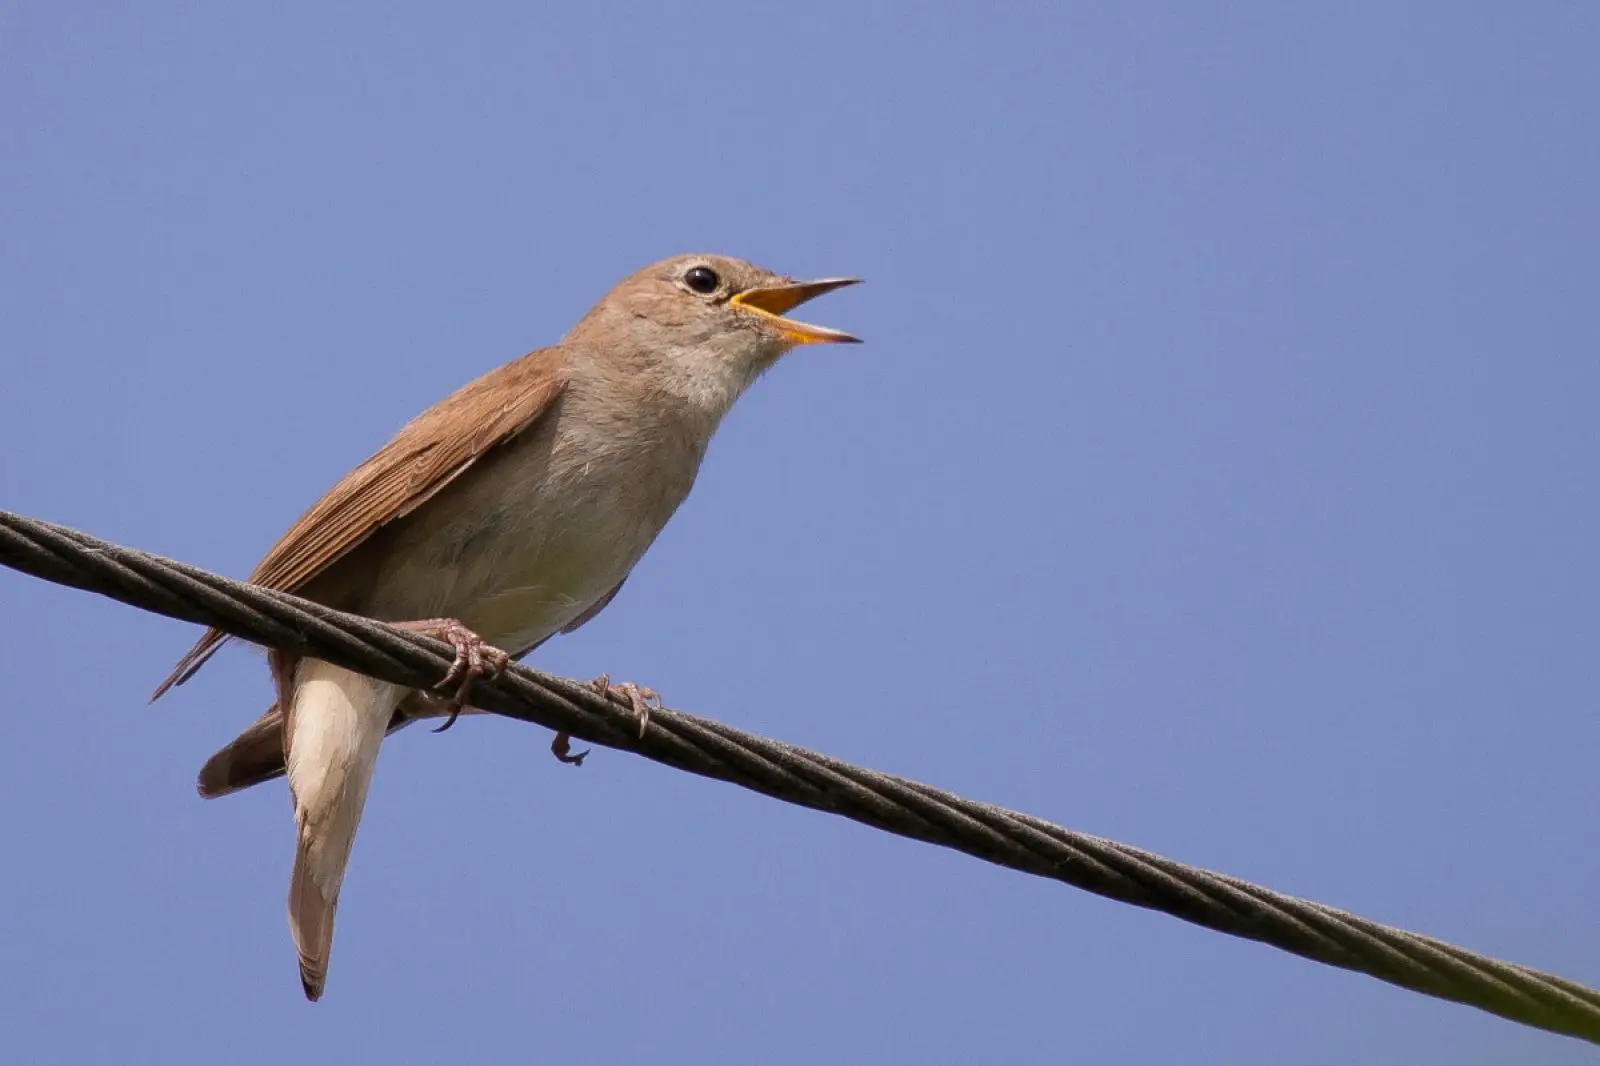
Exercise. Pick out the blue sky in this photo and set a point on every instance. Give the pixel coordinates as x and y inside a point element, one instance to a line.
<point>1219,475</point>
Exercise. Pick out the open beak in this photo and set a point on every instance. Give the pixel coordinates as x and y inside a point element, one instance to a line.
<point>772,301</point>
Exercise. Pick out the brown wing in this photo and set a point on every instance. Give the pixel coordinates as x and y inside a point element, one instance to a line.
<point>424,457</point>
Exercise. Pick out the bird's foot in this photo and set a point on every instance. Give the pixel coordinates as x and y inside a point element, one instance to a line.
<point>474,659</point>
<point>638,698</point>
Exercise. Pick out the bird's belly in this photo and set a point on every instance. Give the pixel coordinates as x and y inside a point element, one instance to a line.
<point>532,594</point>
<point>518,555</point>
<point>512,585</point>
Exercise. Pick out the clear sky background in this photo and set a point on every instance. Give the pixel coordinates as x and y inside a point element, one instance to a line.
<point>1219,475</point>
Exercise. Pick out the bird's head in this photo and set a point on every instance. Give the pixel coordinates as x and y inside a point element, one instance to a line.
<point>707,323</point>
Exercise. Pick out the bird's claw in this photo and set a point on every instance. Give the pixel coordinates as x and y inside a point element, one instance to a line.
<point>474,660</point>
<point>638,698</point>
<point>561,748</point>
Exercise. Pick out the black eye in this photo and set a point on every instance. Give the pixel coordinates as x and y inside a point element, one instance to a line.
<point>702,280</point>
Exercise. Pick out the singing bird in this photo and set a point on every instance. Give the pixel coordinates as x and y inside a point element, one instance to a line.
<point>509,512</point>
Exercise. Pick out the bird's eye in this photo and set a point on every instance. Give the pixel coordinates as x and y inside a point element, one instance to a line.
<point>702,280</point>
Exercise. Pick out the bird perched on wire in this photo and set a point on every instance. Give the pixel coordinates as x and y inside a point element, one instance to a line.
<point>509,512</point>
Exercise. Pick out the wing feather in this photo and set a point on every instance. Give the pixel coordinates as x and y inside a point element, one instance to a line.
<point>433,450</point>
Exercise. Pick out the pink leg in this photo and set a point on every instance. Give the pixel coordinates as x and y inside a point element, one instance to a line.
<point>638,698</point>
<point>474,659</point>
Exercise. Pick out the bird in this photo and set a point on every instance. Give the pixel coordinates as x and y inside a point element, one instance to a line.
<point>511,511</point>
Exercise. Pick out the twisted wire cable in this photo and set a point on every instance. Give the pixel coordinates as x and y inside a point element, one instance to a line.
<point>793,774</point>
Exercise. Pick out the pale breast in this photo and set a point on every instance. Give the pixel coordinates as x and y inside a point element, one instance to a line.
<point>534,533</point>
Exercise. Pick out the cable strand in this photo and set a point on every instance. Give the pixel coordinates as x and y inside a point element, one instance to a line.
<point>795,775</point>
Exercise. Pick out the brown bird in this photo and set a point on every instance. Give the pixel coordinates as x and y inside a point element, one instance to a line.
<point>512,510</point>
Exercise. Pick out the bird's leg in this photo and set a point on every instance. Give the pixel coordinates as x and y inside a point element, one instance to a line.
<point>639,698</point>
<point>474,659</point>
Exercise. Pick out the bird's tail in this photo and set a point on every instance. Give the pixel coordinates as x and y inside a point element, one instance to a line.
<point>332,734</point>
<point>256,755</point>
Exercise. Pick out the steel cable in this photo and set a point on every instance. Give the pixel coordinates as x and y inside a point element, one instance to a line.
<point>796,775</point>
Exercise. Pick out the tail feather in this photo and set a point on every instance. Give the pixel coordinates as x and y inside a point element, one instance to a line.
<point>311,923</point>
<point>332,734</point>
<point>256,755</point>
